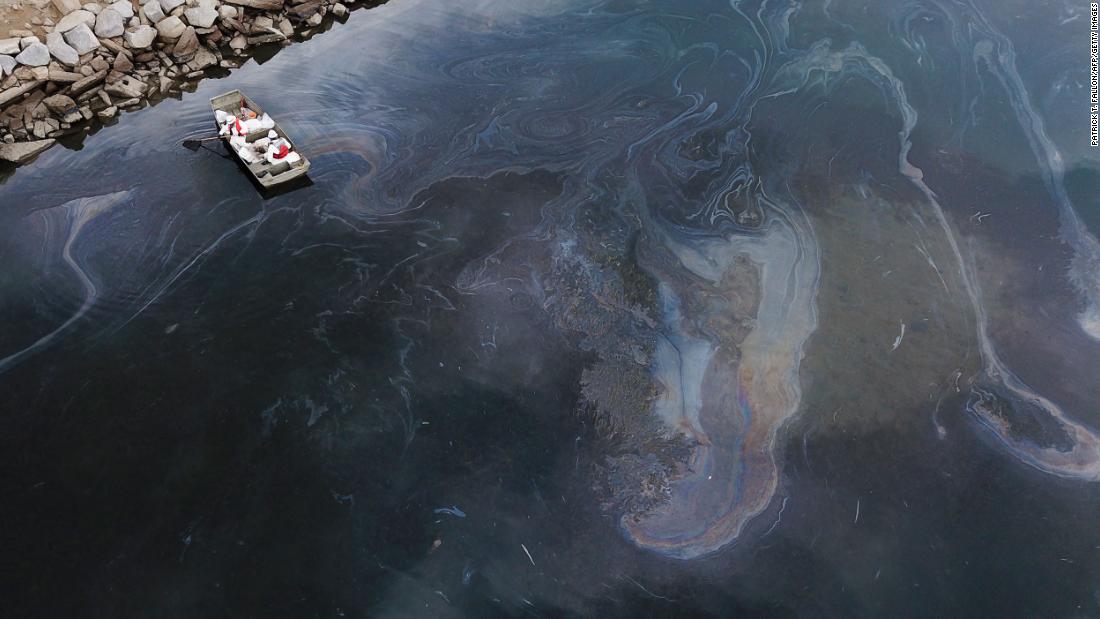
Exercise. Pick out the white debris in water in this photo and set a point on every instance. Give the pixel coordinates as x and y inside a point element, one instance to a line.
<point>897,340</point>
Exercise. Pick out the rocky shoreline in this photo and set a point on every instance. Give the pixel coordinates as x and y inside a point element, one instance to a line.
<point>98,59</point>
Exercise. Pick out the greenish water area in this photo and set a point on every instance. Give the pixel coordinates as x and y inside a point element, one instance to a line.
<point>589,309</point>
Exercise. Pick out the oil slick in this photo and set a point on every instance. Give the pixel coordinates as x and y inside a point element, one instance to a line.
<point>665,149</point>
<point>997,54</point>
<point>732,475</point>
<point>67,221</point>
<point>731,403</point>
<point>998,396</point>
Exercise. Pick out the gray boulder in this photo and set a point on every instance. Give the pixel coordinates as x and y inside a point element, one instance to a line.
<point>123,8</point>
<point>122,63</point>
<point>109,24</point>
<point>171,28</point>
<point>141,37</point>
<point>7,65</point>
<point>59,104</point>
<point>201,17</point>
<point>74,19</point>
<point>24,151</point>
<point>10,46</point>
<point>61,50</point>
<point>187,45</point>
<point>66,6</point>
<point>36,55</point>
<point>153,12</point>
<point>82,39</point>
<point>126,87</point>
<point>168,5</point>
<point>92,7</point>
<point>203,58</point>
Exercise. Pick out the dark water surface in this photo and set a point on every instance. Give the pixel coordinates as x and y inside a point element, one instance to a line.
<point>592,309</point>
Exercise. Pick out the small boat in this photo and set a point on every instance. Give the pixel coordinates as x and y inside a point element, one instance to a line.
<point>267,174</point>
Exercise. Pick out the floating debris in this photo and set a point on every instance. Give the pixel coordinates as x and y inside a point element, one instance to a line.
<point>897,340</point>
<point>453,511</point>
